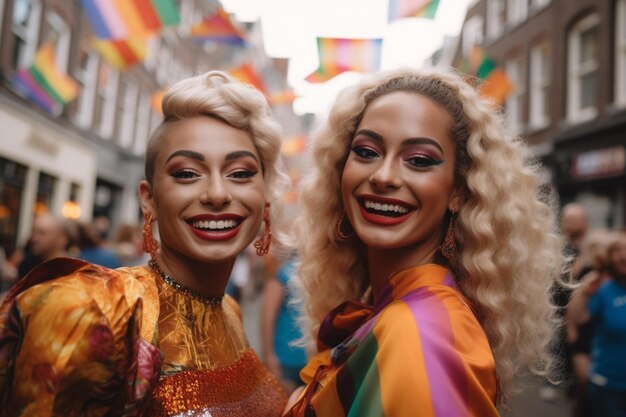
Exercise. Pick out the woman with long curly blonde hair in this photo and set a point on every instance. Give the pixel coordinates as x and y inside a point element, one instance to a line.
<point>423,204</point>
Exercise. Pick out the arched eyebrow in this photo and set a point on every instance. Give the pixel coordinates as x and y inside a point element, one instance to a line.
<point>188,154</point>
<point>405,142</point>
<point>199,157</point>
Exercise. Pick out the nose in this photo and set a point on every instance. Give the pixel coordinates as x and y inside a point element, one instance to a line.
<point>386,175</point>
<point>216,193</point>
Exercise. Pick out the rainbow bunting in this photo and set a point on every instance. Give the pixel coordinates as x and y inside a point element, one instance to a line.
<point>218,28</point>
<point>495,85</point>
<point>340,55</point>
<point>412,8</point>
<point>121,19</point>
<point>122,53</point>
<point>245,73</point>
<point>282,97</point>
<point>43,83</point>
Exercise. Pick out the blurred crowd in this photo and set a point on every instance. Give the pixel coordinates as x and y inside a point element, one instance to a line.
<point>591,346</point>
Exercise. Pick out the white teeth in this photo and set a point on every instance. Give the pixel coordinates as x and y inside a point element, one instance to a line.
<point>386,207</point>
<point>214,225</point>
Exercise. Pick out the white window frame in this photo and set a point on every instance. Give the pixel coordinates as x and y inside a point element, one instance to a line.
<point>109,94</point>
<point>620,53</point>
<point>496,14</point>
<point>514,105</point>
<point>142,127</point>
<point>126,134</point>
<point>575,114</point>
<point>88,78</point>
<point>28,33</point>
<point>516,12</point>
<point>473,34</point>
<point>63,40</point>
<point>539,82</point>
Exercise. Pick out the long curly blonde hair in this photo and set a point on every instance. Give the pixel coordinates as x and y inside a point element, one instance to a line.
<point>217,95</point>
<point>510,248</point>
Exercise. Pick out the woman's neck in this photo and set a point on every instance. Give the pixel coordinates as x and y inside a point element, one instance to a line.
<point>383,263</point>
<point>205,278</point>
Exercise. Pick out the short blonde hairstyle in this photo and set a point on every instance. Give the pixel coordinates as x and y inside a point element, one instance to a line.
<point>217,95</point>
<point>510,248</point>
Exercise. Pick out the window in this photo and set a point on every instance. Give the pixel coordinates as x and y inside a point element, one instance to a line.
<point>472,34</point>
<point>620,53</point>
<point>516,11</point>
<point>45,193</point>
<point>495,18</point>
<point>540,67</point>
<point>105,100</point>
<point>87,76</point>
<point>127,106</point>
<point>514,104</point>
<point>25,25</point>
<point>142,127</point>
<point>12,183</point>
<point>57,31</point>
<point>583,69</point>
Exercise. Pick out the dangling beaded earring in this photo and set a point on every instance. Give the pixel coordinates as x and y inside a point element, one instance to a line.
<point>343,228</point>
<point>448,247</point>
<point>150,245</point>
<point>263,244</point>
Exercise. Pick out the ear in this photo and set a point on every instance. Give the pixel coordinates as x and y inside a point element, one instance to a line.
<point>146,198</point>
<point>456,200</point>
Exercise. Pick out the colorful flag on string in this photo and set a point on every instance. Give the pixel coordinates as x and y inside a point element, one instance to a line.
<point>122,53</point>
<point>122,19</point>
<point>43,83</point>
<point>495,85</point>
<point>156,100</point>
<point>412,8</point>
<point>340,55</point>
<point>218,28</point>
<point>293,145</point>
<point>278,98</point>
<point>245,73</point>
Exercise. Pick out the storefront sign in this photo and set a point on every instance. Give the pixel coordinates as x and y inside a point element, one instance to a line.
<point>599,162</point>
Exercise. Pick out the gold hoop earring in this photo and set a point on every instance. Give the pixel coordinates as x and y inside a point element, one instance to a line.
<point>343,228</point>
<point>150,245</point>
<point>448,247</point>
<point>263,244</point>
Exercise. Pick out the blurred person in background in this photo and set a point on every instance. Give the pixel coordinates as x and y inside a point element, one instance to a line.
<point>574,224</point>
<point>602,300</point>
<point>160,339</point>
<point>128,244</point>
<point>279,326</point>
<point>92,249</point>
<point>428,250</point>
<point>590,265</point>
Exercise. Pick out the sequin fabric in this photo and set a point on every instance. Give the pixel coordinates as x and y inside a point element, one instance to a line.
<point>243,388</point>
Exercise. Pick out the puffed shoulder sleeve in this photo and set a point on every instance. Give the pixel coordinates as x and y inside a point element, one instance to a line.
<point>430,357</point>
<point>70,346</point>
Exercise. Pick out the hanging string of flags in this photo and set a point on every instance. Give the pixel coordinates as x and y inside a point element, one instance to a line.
<point>339,55</point>
<point>412,8</point>
<point>494,83</point>
<point>218,27</point>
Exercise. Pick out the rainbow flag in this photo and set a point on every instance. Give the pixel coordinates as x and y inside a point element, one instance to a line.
<point>43,83</point>
<point>122,53</point>
<point>495,86</point>
<point>412,8</point>
<point>340,55</point>
<point>121,19</point>
<point>218,28</point>
<point>278,98</point>
<point>245,73</point>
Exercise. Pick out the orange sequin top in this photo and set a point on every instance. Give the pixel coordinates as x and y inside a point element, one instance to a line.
<point>78,339</point>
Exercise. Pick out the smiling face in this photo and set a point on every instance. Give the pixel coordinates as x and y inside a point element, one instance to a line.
<point>207,192</point>
<point>398,180</point>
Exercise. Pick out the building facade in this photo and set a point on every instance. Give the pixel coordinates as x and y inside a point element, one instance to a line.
<point>567,61</point>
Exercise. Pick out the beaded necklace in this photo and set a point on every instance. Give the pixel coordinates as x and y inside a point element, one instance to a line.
<point>169,280</point>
